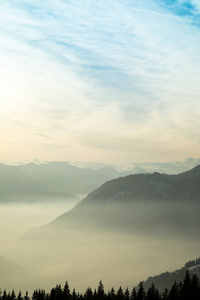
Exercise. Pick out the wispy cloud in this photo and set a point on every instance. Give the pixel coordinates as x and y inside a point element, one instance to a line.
<point>73,69</point>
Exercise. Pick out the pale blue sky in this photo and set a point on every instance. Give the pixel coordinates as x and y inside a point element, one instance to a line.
<point>110,81</point>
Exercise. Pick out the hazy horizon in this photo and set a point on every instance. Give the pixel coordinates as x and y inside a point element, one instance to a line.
<point>96,83</point>
<point>188,163</point>
<point>106,237</point>
<point>83,257</point>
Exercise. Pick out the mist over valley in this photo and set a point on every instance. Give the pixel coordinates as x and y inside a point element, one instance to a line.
<point>99,156</point>
<point>128,229</point>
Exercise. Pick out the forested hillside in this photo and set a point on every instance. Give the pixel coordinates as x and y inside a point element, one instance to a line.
<point>145,203</point>
<point>168,278</point>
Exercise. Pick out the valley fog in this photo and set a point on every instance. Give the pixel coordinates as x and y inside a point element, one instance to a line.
<point>17,219</point>
<point>99,160</point>
<point>81,256</point>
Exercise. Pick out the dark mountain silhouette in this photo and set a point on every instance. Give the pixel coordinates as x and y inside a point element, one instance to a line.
<point>154,186</point>
<point>166,279</point>
<point>149,202</point>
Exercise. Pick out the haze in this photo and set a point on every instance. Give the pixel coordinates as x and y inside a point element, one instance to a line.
<point>83,258</point>
<point>95,83</point>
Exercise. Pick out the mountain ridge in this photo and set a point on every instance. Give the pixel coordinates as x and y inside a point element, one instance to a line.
<point>54,177</point>
<point>167,279</point>
<point>148,200</point>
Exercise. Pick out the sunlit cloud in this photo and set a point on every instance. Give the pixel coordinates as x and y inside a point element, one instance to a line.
<point>83,71</point>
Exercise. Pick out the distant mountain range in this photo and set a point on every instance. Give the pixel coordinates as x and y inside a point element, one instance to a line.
<point>143,167</point>
<point>67,180</point>
<point>51,180</point>
<point>165,167</point>
<point>146,167</point>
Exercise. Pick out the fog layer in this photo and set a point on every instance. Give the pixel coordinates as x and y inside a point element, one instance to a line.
<point>85,255</point>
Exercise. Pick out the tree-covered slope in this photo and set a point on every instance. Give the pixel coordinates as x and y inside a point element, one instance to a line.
<point>145,202</point>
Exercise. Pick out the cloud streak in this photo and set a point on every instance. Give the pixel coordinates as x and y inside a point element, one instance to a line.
<point>91,68</point>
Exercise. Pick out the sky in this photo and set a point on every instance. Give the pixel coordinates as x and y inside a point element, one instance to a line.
<point>106,81</point>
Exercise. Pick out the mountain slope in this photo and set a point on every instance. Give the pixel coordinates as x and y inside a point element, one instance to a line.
<point>151,186</point>
<point>8,267</point>
<point>14,276</point>
<point>166,280</point>
<point>146,202</point>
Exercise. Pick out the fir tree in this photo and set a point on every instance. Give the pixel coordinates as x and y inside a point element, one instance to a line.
<point>140,292</point>
<point>19,297</point>
<point>100,291</point>
<point>74,295</point>
<point>127,294</point>
<point>4,295</point>
<point>66,292</point>
<point>111,294</point>
<point>120,294</point>
<point>59,294</point>
<point>174,292</point>
<point>95,295</point>
<point>195,287</point>
<point>152,293</point>
<point>133,294</point>
<point>186,288</point>
<point>13,295</point>
<point>165,295</point>
<point>8,296</point>
<point>88,294</point>
<point>52,295</point>
<point>26,297</point>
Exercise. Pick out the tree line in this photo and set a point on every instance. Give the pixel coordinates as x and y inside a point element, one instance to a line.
<point>168,278</point>
<point>189,289</point>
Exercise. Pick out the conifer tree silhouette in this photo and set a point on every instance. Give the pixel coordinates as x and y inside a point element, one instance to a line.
<point>174,292</point>
<point>120,294</point>
<point>13,295</point>
<point>127,294</point>
<point>133,294</point>
<point>140,292</point>
<point>165,294</point>
<point>152,293</point>
<point>66,292</point>
<point>100,291</point>
<point>88,294</point>
<point>4,295</point>
<point>74,295</point>
<point>26,297</point>
<point>186,287</point>
<point>111,294</point>
<point>195,287</point>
